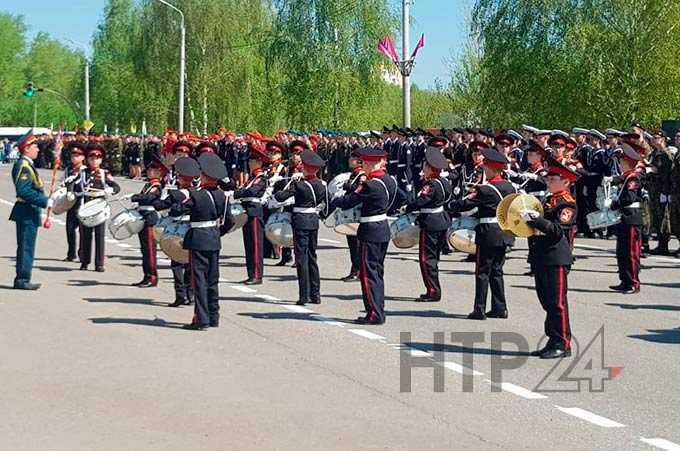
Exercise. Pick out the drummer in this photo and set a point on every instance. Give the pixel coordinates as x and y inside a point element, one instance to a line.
<point>550,254</point>
<point>309,192</point>
<point>275,172</point>
<point>151,192</point>
<point>76,150</point>
<point>188,173</point>
<point>95,183</point>
<point>433,220</point>
<point>357,177</point>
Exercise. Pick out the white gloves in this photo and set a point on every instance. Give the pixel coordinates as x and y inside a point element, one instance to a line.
<point>298,176</point>
<point>607,203</point>
<point>50,203</point>
<point>409,188</point>
<point>664,198</point>
<point>529,176</point>
<point>108,190</point>
<point>529,215</point>
<point>607,179</point>
<point>273,179</point>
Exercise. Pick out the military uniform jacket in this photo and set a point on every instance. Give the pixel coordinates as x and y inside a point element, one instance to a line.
<point>174,202</point>
<point>552,247</point>
<point>252,194</point>
<point>71,180</point>
<point>204,205</point>
<point>99,179</point>
<point>485,198</point>
<point>630,196</point>
<point>536,187</point>
<point>309,194</point>
<point>29,190</point>
<point>430,201</point>
<point>659,180</point>
<point>376,195</point>
<point>145,200</point>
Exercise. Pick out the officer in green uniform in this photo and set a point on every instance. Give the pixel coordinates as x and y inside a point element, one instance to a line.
<point>26,212</point>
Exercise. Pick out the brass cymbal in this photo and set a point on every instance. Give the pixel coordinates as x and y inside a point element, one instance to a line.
<point>502,210</point>
<point>516,225</point>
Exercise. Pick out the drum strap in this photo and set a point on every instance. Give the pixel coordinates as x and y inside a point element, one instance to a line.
<point>500,196</point>
<point>223,217</point>
<point>390,197</point>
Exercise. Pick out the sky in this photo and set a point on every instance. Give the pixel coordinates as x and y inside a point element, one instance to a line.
<point>442,21</point>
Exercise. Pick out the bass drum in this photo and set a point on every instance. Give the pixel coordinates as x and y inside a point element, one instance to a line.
<point>125,224</point>
<point>279,229</point>
<point>405,232</point>
<point>461,234</point>
<point>172,242</point>
<point>94,212</point>
<point>63,200</point>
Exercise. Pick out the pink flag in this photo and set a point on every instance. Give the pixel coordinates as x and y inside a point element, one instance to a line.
<point>419,45</point>
<point>386,47</point>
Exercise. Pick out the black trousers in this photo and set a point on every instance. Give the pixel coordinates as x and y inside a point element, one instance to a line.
<point>148,247</point>
<point>286,254</point>
<point>309,283</point>
<point>269,250</point>
<point>181,275</point>
<point>489,272</point>
<point>371,274</point>
<point>205,276</point>
<point>72,224</point>
<point>430,248</point>
<point>99,233</point>
<point>253,237</point>
<point>352,244</point>
<point>628,248</point>
<point>551,288</point>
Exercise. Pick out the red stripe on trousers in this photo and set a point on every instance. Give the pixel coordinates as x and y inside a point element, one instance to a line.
<point>152,257</point>
<point>563,310</point>
<point>423,264</point>
<point>256,225</point>
<point>194,319</point>
<point>364,276</point>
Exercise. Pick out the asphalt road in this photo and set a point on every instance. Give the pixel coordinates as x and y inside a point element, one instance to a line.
<point>89,362</point>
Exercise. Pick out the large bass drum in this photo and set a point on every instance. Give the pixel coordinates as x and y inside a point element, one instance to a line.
<point>63,200</point>
<point>461,234</point>
<point>279,229</point>
<point>172,241</point>
<point>405,232</point>
<point>94,212</point>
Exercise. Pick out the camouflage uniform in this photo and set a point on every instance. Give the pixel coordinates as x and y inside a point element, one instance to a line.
<point>114,155</point>
<point>658,183</point>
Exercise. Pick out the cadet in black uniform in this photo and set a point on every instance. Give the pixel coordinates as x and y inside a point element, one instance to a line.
<point>251,197</point>
<point>357,176</point>
<point>151,192</point>
<point>73,174</point>
<point>188,174</point>
<point>309,192</point>
<point>378,194</point>
<point>629,231</point>
<point>207,206</point>
<point>550,254</point>
<point>95,182</point>
<point>433,221</point>
<point>491,241</point>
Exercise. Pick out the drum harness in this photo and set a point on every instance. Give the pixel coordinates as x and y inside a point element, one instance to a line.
<point>390,197</point>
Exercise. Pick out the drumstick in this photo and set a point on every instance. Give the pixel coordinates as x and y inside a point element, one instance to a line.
<point>56,163</point>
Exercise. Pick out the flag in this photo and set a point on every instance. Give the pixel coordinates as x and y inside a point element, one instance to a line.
<point>419,45</point>
<point>386,47</point>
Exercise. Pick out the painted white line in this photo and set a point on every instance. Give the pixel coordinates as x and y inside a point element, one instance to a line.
<point>419,353</point>
<point>592,248</point>
<point>110,240</point>
<point>590,417</point>
<point>406,257</point>
<point>519,391</point>
<point>3,201</point>
<point>329,321</point>
<point>460,369</point>
<point>124,245</point>
<point>661,443</point>
<point>243,289</point>
<point>164,261</point>
<point>367,334</point>
<point>267,297</point>
<point>326,240</point>
<point>297,309</point>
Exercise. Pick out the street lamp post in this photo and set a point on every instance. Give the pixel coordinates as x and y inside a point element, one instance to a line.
<point>182,61</point>
<point>87,77</point>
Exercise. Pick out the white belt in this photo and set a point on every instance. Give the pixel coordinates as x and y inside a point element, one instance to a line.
<point>394,161</point>
<point>255,200</point>
<point>633,205</point>
<point>146,208</point>
<point>184,218</point>
<point>432,210</point>
<point>402,165</point>
<point>304,210</point>
<point>376,218</point>
<point>488,220</point>
<point>537,193</point>
<point>203,224</point>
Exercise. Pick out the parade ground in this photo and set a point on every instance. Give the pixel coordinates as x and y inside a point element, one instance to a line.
<point>89,362</point>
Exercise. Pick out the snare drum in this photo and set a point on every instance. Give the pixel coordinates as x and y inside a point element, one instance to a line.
<point>172,241</point>
<point>94,212</point>
<point>337,183</point>
<point>346,222</point>
<point>240,217</point>
<point>63,201</point>
<point>405,232</point>
<point>461,235</point>
<point>125,224</point>
<point>602,219</point>
<point>279,229</point>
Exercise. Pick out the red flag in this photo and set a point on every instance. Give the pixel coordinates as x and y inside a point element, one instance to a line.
<point>382,49</point>
<point>390,47</point>
<point>419,45</point>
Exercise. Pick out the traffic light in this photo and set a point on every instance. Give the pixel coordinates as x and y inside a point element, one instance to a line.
<point>29,89</point>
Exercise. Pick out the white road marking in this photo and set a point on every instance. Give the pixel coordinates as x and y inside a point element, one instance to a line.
<point>517,390</point>
<point>267,297</point>
<point>124,245</point>
<point>460,369</point>
<point>419,353</point>
<point>329,321</point>
<point>11,204</point>
<point>326,240</point>
<point>297,309</point>
<point>661,443</point>
<point>590,417</point>
<point>243,289</point>
<point>367,334</point>
<point>110,240</point>
<point>164,261</point>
